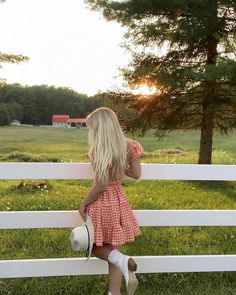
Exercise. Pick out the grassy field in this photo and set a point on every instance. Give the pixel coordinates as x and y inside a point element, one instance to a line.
<point>70,145</point>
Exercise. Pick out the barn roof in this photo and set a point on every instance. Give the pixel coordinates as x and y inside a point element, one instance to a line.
<point>60,118</point>
<point>76,120</point>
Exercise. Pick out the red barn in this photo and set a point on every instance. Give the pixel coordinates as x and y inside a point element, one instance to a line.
<point>66,121</point>
<point>60,120</point>
<point>77,122</point>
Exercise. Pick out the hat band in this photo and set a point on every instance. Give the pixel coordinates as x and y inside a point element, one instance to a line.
<point>87,251</point>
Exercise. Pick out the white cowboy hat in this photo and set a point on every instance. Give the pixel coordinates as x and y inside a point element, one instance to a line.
<point>81,237</point>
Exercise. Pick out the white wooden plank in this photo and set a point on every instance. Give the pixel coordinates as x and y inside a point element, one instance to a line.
<point>186,263</point>
<point>188,172</point>
<point>84,171</point>
<point>39,219</point>
<point>64,219</point>
<point>186,217</point>
<point>146,264</point>
<point>45,171</point>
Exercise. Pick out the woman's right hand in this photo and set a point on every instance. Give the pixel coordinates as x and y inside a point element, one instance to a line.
<point>82,211</point>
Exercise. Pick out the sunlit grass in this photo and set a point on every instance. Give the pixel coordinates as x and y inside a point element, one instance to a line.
<point>70,144</point>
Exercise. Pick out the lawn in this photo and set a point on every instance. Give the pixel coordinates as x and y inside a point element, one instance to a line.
<point>70,145</point>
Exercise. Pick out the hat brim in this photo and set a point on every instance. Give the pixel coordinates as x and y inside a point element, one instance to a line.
<point>90,228</point>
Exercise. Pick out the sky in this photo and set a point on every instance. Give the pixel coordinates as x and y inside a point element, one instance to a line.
<point>68,45</point>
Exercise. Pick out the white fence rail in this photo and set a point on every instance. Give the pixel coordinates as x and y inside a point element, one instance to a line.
<point>84,171</point>
<point>146,264</point>
<point>66,219</point>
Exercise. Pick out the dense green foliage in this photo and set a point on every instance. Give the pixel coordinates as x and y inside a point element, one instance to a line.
<point>11,58</point>
<point>195,71</point>
<point>36,104</point>
<point>4,115</point>
<point>70,145</point>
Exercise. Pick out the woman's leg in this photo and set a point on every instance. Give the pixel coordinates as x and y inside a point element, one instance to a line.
<point>102,252</point>
<point>115,275</point>
<point>115,279</point>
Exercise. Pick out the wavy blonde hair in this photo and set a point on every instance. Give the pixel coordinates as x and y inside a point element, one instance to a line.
<point>108,145</point>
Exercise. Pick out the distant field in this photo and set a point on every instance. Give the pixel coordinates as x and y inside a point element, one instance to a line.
<point>70,145</point>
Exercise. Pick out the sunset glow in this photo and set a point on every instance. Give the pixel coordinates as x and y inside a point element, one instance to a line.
<point>144,89</point>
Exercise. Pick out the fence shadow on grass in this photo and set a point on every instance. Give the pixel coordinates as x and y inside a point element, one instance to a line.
<point>226,188</point>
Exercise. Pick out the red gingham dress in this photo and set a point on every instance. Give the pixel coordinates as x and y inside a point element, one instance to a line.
<point>112,216</point>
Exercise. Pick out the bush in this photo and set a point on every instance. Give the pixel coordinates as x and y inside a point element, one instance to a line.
<point>34,185</point>
<point>28,157</point>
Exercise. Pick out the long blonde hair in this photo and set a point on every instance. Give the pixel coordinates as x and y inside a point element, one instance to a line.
<point>108,144</point>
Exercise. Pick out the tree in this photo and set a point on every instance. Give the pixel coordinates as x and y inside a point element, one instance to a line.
<point>11,58</point>
<point>15,111</point>
<point>4,116</point>
<point>195,76</point>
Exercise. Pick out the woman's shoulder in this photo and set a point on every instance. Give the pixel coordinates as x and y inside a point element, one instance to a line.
<point>132,142</point>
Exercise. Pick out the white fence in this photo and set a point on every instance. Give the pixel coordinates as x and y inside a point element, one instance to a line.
<point>69,219</point>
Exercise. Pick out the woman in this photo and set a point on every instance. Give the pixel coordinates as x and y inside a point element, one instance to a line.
<point>112,156</point>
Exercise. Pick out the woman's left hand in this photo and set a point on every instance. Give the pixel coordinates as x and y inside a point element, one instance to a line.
<point>82,211</point>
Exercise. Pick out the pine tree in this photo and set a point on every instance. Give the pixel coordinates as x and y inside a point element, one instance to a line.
<point>196,75</point>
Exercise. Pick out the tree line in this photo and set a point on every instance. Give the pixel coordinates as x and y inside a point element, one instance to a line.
<point>36,104</point>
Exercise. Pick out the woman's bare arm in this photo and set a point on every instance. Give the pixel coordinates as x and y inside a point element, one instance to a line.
<point>92,196</point>
<point>134,170</point>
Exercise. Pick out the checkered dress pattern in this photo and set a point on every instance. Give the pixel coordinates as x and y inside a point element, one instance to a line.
<point>112,216</point>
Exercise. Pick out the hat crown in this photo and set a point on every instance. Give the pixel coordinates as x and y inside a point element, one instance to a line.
<point>79,238</point>
<point>82,237</point>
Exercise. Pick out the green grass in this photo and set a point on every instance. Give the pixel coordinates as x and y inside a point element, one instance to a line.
<point>70,145</point>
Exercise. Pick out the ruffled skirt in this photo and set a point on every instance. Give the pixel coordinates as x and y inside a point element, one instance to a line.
<point>112,216</point>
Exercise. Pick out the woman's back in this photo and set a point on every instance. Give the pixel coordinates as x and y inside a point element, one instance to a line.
<point>112,216</point>
<point>134,151</point>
